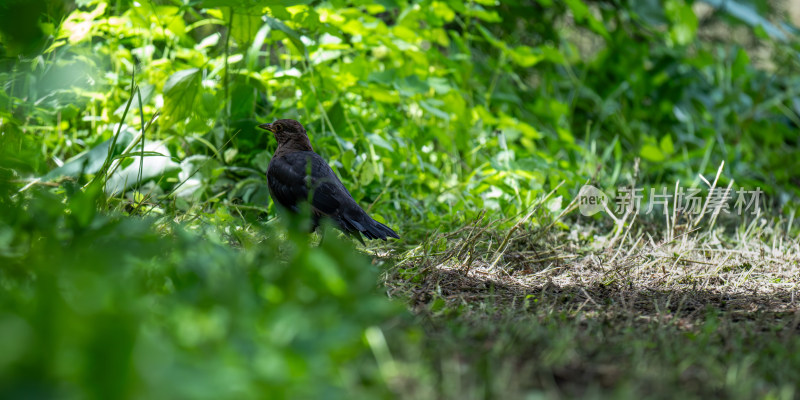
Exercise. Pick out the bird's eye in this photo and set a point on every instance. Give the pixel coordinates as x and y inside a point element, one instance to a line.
<point>278,127</point>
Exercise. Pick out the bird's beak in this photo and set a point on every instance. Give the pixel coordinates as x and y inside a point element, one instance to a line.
<point>266,127</point>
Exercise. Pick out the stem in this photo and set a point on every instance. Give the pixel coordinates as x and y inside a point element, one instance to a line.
<point>225,79</point>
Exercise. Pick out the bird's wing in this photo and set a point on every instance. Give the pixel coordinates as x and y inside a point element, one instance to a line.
<point>288,183</point>
<point>332,199</point>
<point>350,217</point>
<point>289,186</point>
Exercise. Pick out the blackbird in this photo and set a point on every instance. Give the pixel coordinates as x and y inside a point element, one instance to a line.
<point>295,170</point>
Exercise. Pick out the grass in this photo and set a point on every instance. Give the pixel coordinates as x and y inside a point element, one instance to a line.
<point>168,291</point>
<point>538,306</point>
<point>569,312</point>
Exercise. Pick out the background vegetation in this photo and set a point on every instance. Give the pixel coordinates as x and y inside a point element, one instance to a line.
<point>140,256</point>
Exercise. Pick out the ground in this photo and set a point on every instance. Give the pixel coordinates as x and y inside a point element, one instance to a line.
<point>566,310</point>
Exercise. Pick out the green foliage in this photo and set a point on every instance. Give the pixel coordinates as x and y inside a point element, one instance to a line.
<point>427,108</point>
<point>554,354</point>
<point>103,306</point>
<point>135,260</point>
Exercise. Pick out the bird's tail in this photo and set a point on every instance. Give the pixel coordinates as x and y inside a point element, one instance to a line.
<point>377,230</point>
<point>369,227</point>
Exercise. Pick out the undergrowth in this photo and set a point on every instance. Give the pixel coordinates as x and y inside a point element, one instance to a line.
<point>141,256</point>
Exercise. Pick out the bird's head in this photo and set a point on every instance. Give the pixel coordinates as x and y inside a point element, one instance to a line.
<point>288,133</point>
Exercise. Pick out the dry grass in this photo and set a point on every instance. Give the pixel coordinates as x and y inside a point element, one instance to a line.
<point>659,283</point>
<point>756,272</point>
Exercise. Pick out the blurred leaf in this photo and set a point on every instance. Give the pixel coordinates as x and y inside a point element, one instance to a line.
<point>196,174</point>
<point>684,22</point>
<point>652,153</point>
<point>290,33</point>
<point>582,14</point>
<point>180,92</point>
<point>666,145</point>
<point>244,25</point>
<point>243,97</point>
<point>91,161</point>
<point>747,14</point>
<point>152,168</point>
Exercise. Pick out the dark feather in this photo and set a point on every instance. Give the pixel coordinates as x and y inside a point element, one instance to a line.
<point>289,185</point>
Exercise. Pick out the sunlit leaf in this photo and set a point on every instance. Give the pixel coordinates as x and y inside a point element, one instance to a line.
<point>180,92</point>
<point>156,163</point>
<point>666,145</point>
<point>293,36</point>
<point>652,153</point>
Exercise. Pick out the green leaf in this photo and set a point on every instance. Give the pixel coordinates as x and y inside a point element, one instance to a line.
<point>180,92</point>
<point>152,168</point>
<point>244,26</point>
<point>181,80</point>
<point>740,64</point>
<point>328,271</point>
<point>582,14</point>
<point>666,145</point>
<point>229,154</point>
<point>137,153</point>
<point>440,85</point>
<point>652,153</point>
<point>261,160</point>
<point>293,36</point>
<point>383,95</point>
<point>379,141</point>
<point>427,106</point>
<point>525,56</point>
<point>91,161</point>
<point>749,15</point>
<point>684,22</point>
<point>243,98</point>
<point>554,205</point>
<point>411,85</point>
<point>367,174</point>
<point>254,51</point>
